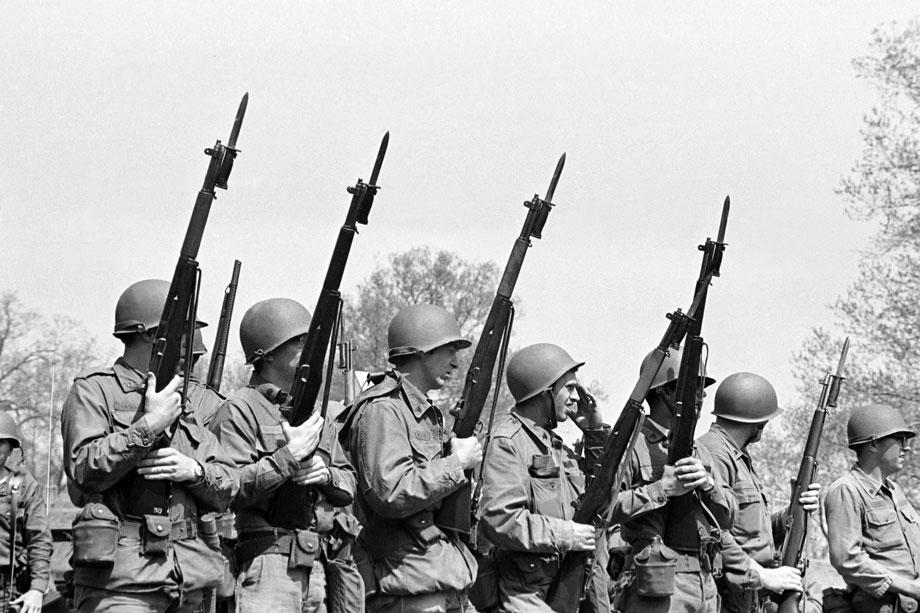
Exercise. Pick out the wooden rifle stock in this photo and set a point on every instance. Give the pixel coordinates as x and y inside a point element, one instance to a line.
<point>455,512</point>
<point>293,501</point>
<point>216,367</point>
<point>796,521</point>
<point>151,497</point>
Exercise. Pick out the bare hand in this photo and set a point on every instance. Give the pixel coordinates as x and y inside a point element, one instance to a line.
<point>671,485</point>
<point>809,498</point>
<point>584,537</point>
<point>313,472</point>
<point>30,602</point>
<point>781,579</point>
<point>303,440</point>
<point>692,474</point>
<point>468,451</point>
<point>587,417</point>
<point>169,465</point>
<point>162,408</point>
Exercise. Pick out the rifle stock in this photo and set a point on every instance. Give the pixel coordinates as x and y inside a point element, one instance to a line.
<point>151,497</point>
<point>456,510</point>
<point>216,367</point>
<point>292,501</point>
<point>796,521</point>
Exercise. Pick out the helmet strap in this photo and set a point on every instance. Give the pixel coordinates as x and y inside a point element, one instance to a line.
<point>551,421</point>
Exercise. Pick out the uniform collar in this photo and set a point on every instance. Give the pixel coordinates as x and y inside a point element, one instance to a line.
<point>129,378</point>
<point>737,452</point>
<point>418,402</point>
<point>653,432</point>
<point>869,484</point>
<point>549,439</point>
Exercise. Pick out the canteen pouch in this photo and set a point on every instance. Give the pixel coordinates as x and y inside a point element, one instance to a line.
<point>303,549</point>
<point>656,566</point>
<point>95,536</point>
<point>155,541</point>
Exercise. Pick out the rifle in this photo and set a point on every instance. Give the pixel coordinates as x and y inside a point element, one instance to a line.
<point>346,349</point>
<point>179,313</point>
<point>570,583</point>
<point>796,520</point>
<point>216,367</point>
<point>459,510</point>
<point>681,529</point>
<point>292,500</point>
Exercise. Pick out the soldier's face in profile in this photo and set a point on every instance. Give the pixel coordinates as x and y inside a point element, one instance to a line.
<point>6,447</point>
<point>565,396</point>
<point>893,452</point>
<point>438,365</point>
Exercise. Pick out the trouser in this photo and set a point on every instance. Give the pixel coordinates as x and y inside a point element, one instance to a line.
<point>447,601</point>
<point>888,603</point>
<point>344,585</point>
<point>88,599</point>
<point>694,592</point>
<point>266,583</point>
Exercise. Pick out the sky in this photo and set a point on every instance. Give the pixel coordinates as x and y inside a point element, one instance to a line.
<point>662,110</point>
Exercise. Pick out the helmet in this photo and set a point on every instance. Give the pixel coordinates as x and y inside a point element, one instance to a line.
<point>198,346</point>
<point>268,324</point>
<point>9,430</point>
<point>670,368</point>
<point>746,398</point>
<point>535,368</point>
<point>419,328</point>
<point>875,421</point>
<point>140,307</point>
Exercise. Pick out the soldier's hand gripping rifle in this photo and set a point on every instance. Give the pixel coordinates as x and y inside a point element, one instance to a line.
<point>216,367</point>
<point>178,319</point>
<point>459,510</point>
<point>292,500</point>
<point>796,520</point>
<point>569,585</point>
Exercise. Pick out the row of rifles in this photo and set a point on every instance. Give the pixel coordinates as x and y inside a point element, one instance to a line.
<point>460,511</point>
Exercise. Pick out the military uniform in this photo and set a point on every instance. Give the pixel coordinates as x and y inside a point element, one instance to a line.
<point>159,563</point>
<point>874,535</point>
<point>641,509</point>
<point>32,538</point>
<point>396,437</point>
<point>274,559</point>
<point>531,486</point>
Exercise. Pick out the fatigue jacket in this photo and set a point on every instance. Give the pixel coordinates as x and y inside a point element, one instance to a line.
<point>754,528</point>
<point>641,504</point>
<point>204,400</point>
<point>105,436</point>
<point>872,530</point>
<point>248,425</point>
<point>33,535</point>
<point>396,438</point>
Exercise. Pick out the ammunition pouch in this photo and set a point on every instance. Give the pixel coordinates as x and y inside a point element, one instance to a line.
<point>526,568</point>
<point>907,604</point>
<point>95,536</point>
<point>656,568</point>
<point>422,527</point>
<point>418,529</point>
<point>156,531</point>
<point>300,546</point>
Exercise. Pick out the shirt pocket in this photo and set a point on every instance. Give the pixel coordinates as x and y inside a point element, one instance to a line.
<point>882,529</point>
<point>751,509</point>
<point>574,475</point>
<point>425,447</point>
<point>269,439</point>
<point>546,497</point>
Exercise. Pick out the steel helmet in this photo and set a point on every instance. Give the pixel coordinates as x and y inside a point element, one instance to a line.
<point>747,398</point>
<point>140,307</point>
<point>535,368</point>
<point>9,430</point>
<point>875,421</point>
<point>269,323</point>
<point>419,328</point>
<point>670,368</point>
<point>198,346</point>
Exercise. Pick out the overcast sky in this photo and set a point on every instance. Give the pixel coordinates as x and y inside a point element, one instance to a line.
<point>105,108</point>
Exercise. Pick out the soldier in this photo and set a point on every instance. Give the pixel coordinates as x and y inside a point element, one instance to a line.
<point>31,543</point>
<point>128,554</point>
<point>664,579</point>
<point>399,445</point>
<point>744,403</point>
<point>273,555</point>
<point>872,530</point>
<point>531,481</point>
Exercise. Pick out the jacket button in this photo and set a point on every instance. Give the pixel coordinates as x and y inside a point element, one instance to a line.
<point>159,527</point>
<point>423,522</point>
<point>310,548</point>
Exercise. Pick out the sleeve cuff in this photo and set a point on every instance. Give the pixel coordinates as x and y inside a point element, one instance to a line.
<point>453,470</point>
<point>285,461</point>
<point>656,493</point>
<point>882,587</point>
<point>140,434</point>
